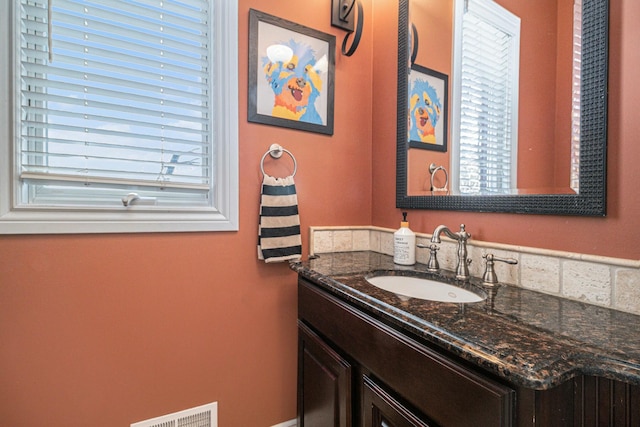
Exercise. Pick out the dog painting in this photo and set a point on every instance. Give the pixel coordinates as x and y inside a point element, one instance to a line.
<point>427,109</point>
<point>296,78</point>
<point>291,74</point>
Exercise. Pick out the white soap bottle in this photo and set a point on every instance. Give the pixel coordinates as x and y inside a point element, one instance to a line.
<point>404,244</point>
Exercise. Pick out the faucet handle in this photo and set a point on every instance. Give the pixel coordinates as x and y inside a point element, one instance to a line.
<point>433,264</point>
<point>489,277</point>
<point>492,257</point>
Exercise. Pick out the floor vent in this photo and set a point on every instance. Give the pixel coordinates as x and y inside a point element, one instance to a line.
<point>202,416</point>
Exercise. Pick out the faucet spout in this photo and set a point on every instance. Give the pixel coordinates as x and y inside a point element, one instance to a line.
<point>435,238</point>
<point>462,269</point>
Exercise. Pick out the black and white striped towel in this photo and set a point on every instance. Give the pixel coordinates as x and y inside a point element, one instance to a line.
<point>279,228</point>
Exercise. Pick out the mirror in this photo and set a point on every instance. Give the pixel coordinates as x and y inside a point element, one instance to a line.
<point>590,199</point>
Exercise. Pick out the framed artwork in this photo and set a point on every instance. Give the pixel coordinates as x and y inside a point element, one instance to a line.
<point>291,74</point>
<point>428,109</point>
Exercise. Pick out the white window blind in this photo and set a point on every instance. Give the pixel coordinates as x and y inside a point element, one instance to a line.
<point>125,97</point>
<point>487,88</point>
<point>120,103</point>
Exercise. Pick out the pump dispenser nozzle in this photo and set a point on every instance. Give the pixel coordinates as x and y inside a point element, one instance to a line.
<point>404,244</point>
<point>404,223</point>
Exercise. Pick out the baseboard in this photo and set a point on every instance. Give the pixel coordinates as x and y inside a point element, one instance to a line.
<point>290,423</point>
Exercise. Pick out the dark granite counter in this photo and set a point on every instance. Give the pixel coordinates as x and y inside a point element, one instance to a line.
<point>528,338</point>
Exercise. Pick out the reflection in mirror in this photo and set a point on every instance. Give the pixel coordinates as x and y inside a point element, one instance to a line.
<point>552,151</point>
<point>486,70</point>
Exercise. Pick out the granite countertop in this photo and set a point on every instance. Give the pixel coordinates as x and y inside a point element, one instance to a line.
<point>528,338</point>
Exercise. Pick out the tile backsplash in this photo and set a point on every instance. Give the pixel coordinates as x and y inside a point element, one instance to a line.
<point>603,281</point>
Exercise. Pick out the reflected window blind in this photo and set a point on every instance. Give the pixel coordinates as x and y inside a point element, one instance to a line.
<point>115,98</point>
<point>488,125</point>
<point>575,98</point>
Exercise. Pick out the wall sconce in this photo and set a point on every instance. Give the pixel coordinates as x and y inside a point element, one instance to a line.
<point>414,43</point>
<point>343,16</point>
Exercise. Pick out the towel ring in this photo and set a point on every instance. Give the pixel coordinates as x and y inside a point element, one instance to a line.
<point>434,169</point>
<point>276,152</point>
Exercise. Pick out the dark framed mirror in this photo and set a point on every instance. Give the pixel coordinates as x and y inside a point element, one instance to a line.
<point>590,200</point>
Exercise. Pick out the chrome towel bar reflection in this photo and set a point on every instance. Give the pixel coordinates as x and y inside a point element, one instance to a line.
<point>276,150</point>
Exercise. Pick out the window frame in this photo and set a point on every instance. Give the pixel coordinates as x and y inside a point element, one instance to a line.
<point>132,219</point>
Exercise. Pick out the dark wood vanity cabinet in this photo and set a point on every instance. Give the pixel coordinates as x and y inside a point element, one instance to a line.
<point>355,370</point>
<point>394,380</point>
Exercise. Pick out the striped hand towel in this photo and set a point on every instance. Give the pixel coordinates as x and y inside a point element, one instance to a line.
<point>279,228</point>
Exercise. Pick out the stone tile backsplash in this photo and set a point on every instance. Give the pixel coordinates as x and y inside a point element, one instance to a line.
<point>587,281</point>
<point>603,281</point>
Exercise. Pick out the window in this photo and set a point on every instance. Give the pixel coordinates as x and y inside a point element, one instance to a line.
<point>485,92</point>
<point>123,116</point>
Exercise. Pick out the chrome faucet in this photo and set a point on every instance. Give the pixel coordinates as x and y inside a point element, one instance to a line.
<point>462,269</point>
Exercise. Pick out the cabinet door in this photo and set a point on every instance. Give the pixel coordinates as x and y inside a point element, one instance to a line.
<point>324,383</point>
<point>380,409</point>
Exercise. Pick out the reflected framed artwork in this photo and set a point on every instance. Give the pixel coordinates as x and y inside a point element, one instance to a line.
<point>428,109</point>
<point>291,74</point>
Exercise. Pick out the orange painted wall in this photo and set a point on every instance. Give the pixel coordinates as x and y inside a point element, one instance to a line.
<point>616,235</point>
<point>106,330</point>
<point>564,89</point>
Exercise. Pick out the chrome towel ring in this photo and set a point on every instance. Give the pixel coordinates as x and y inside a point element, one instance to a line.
<point>276,151</point>
<point>433,168</point>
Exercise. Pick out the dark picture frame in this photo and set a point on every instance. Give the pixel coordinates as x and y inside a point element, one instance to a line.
<point>428,101</point>
<point>293,92</point>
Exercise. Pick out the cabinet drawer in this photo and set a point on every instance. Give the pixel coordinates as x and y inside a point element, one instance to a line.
<point>447,393</point>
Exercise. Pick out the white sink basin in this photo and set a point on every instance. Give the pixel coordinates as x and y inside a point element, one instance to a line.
<point>416,287</point>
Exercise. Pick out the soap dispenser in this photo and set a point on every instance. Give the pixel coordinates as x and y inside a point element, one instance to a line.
<point>404,244</point>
